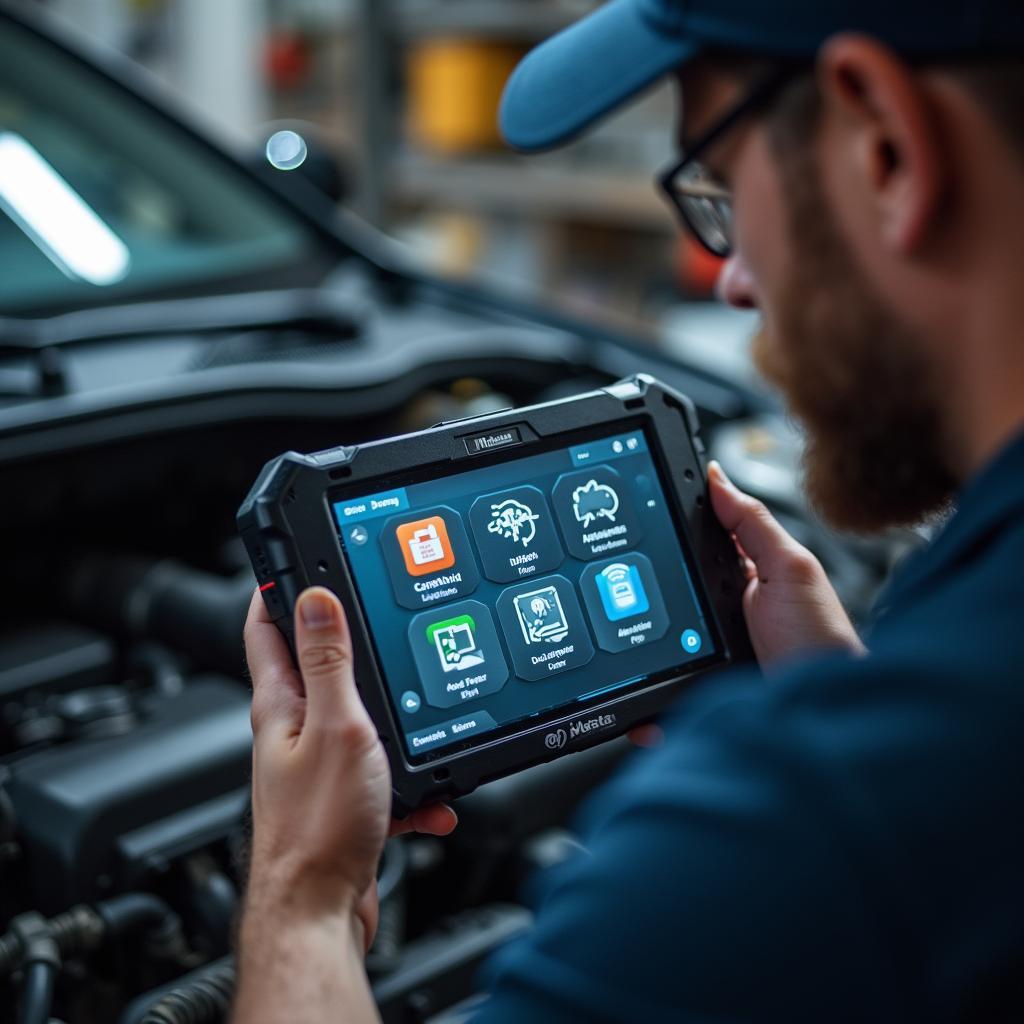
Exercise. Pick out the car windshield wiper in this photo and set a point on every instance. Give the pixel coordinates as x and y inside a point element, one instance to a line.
<point>335,312</point>
<point>319,310</point>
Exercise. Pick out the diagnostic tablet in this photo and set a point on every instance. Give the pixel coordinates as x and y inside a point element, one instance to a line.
<point>518,585</point>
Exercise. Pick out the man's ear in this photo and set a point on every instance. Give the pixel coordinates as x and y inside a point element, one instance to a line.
<point>882,109</point>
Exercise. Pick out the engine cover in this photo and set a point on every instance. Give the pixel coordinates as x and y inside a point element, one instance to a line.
<point>96,815</point>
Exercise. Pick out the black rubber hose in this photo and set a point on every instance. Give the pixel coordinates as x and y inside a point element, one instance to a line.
<point>83,928</point>
<point>37,944</point>
<point>8,821</point>
<point>145,913</point>
<point>37,993</point>
<point>187,609</point>
<point>8,824</point>
<point>10,954</point>
<point>205,999</point>
<point>132,911</point>
<point>77,930</point>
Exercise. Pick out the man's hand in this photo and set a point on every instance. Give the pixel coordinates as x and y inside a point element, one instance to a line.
<point>321,783</point>
<point>321,795</point>
<point>789,604</point>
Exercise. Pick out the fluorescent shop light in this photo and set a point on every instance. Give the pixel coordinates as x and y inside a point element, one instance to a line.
<point>57,219</point>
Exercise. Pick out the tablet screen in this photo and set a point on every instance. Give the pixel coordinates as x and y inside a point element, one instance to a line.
<point>503,595</point>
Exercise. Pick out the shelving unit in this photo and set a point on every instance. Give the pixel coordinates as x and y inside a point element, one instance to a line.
<point>521,20</point>
<point>582,227</point>
<point>511,186</point>
<point>576,219</point>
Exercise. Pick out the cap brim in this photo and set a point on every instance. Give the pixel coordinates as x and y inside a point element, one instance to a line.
<point>585,72</point>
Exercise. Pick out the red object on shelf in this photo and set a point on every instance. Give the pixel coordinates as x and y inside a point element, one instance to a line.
<point>287,59</point>
<point>698,269</point>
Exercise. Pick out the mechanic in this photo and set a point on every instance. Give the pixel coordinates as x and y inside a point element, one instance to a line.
<point>841,838</point>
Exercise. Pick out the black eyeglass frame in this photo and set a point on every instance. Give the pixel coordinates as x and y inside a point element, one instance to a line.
<point>760,96</point>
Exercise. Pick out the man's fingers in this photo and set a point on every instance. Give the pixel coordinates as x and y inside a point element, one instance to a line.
<point>324,650</point>
<point>646,736</point>
<point>756,529</point>
<point>438,819</point>
<point>277,695</point>
<point>435,820</point>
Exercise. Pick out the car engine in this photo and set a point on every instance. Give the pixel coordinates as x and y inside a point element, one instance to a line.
<point>125,738</point>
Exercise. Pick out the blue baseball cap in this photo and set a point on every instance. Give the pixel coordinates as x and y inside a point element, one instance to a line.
<point>594,66</point>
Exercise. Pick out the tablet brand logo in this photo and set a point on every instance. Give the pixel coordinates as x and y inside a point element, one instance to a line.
<point>558,738</point>
<point>584,725</point>
<point>555,740</point>
<point>495,439</point>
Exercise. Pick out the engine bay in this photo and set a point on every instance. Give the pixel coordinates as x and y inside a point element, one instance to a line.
<point>125,741</point>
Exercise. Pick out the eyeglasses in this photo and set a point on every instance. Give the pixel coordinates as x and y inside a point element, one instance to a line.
<point>702,201</point>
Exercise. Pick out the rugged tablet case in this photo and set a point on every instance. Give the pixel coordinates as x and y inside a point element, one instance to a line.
<point>293,542</point>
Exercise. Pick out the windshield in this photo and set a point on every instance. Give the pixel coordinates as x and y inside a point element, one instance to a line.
<point>101,199</point>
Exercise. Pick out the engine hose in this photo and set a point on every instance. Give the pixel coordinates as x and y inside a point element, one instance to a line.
<point>77,930</point>
<point>132,911</point>
<point>83,929</point>
<point>9,848</point>
<point>10,954</point>
<point>8,821</point>
<point>38,946</point>
<point>37,992</point>
<point>205,999</point>
<point>187,609</point>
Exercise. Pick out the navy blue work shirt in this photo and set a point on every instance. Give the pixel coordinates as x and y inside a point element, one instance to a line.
<point>843,841</point>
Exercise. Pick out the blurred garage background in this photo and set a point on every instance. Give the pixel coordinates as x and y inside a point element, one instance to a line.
<point>403,94</point>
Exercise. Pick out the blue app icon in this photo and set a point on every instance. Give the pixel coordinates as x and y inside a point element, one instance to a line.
<point>691,641</point>
<point>622,591</point>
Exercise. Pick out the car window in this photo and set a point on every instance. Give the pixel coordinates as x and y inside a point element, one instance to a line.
<point>102,198</point>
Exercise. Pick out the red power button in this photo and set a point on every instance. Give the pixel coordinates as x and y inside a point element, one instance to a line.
<point>272,599</point>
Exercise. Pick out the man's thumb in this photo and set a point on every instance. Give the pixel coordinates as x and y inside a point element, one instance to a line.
<point>324,651</point>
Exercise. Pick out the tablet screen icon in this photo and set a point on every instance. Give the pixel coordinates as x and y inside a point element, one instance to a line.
<point>622,591</point>
<point>595,512</point>
<point>541,616</point>
<point>624,602</point>
<point>594,501</point>
<point>514,521</point>
<point>428,557</point>
<point>455,643</point>
<point>515,534</point>
<point>544,627</point>
<point>458,655</point>
<point>425,546</point>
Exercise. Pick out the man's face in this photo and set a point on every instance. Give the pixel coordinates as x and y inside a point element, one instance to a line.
<point>852,373</point>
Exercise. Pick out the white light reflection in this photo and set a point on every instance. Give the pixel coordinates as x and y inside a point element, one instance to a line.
<point>57,219</point>
<point>286,150</point>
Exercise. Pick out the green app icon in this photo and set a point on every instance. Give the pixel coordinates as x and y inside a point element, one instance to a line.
<point>455,642</point>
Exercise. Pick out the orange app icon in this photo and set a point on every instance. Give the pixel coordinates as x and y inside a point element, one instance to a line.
<point>425,546</point>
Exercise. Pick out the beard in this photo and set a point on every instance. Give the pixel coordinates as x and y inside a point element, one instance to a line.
<point>857,379</point>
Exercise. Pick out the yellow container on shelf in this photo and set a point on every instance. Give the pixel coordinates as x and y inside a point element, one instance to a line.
<point>455,86</point>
